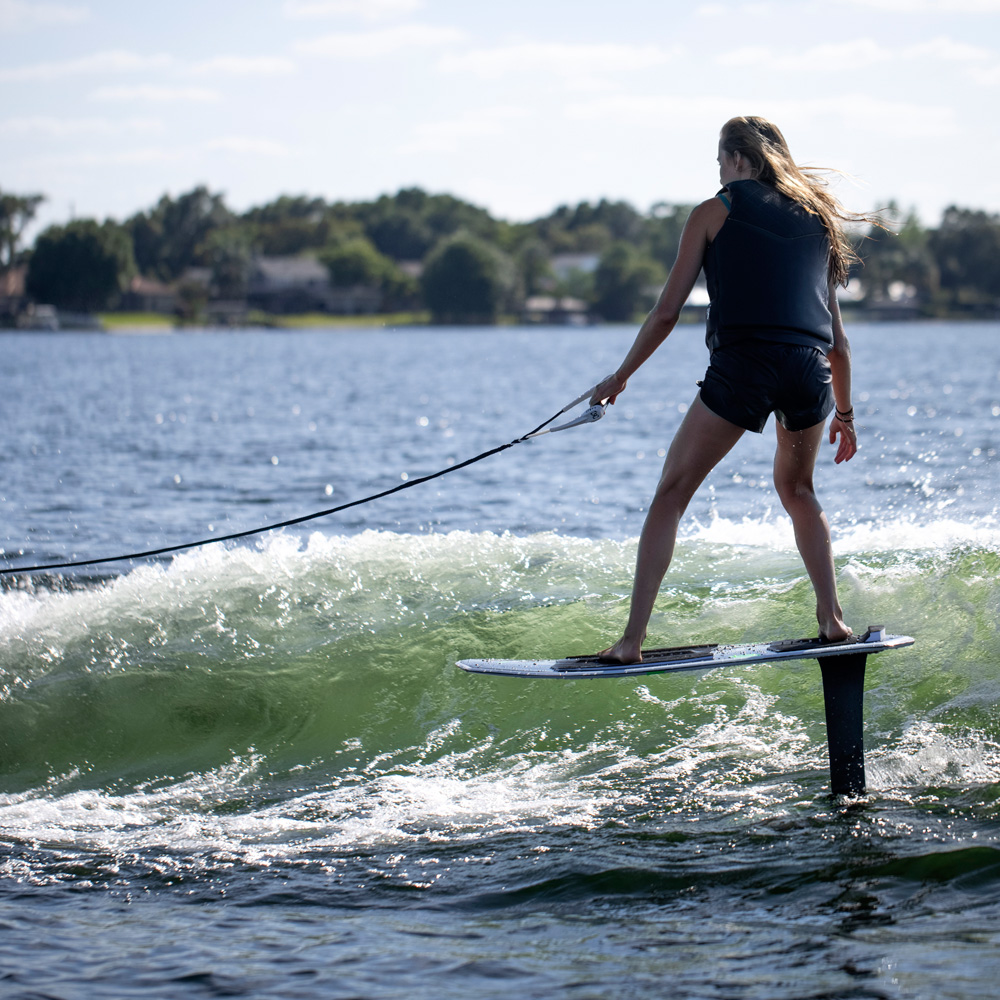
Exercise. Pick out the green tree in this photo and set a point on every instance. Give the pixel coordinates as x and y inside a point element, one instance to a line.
<point>577,284</point>
<point>83,266</point>
<point>586,227</point>
<point>173,236</point>
<point>593,237</point>
<point>147,239</point>
<point>446,215</point>
<point>625,283</point>
<point>401,235</point>
<point>966,248</point>
<point>192,297</point>
<point>287,208</point>
<point>466,280</point>
<point>228,254</point>
<point>661,234</point>
<point>405,226</point>
<point>897,262</point>
<point>535,267</point>
<point>292,225</point>
<point>16,212</point>
<point>357,262</point>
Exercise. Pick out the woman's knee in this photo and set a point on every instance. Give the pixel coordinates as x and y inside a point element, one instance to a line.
<point>673,493</point>
<point>796,493</point>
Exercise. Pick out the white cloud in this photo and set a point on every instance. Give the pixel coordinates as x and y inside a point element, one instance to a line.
<point>156,95</point>
<point>855,112</point>
<point>841,57</point>
<point>946,49</point>
<point>849,56</point>
<point>450,135</point>
<point>66,127</point>
<point>897,119</point>
<point>252,145</point>
<point>986,77</point>
<point>383,42</point>
<point>748,55</point>
<point>946,8</point>
<point>369,10</point>
<point>245,66</point>
<point>24,14</point>
<point>932,6</point>
<point>560,58</point>
<point>143,156</point>
<point>762,9</point>
<point>667,109</point>
<point>116,61</point>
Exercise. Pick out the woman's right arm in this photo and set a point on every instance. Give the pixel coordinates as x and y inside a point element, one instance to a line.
<point>700,229</point>
<point>840,369</point>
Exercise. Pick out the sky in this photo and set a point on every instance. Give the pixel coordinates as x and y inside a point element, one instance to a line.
<point>517,106</point>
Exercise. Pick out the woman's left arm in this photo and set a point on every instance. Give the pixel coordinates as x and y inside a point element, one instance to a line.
<point>840,368</point>
<point>702,225</point>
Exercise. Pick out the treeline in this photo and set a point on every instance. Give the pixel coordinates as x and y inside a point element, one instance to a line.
<point>416,251</point>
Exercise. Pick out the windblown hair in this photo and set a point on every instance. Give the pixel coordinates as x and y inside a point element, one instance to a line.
<point>763,145</point>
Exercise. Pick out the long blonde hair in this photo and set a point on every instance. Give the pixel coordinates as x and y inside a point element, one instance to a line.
<point>763,145</point>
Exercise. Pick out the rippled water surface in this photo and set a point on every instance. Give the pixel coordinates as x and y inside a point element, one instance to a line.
<point>253,769</point>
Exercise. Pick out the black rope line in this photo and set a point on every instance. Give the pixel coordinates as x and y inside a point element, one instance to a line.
<point>281,524</point>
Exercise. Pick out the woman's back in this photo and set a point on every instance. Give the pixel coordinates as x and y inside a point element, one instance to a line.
<point>767,272</point>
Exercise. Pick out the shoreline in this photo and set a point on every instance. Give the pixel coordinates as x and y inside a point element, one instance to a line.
<point>150,324</point>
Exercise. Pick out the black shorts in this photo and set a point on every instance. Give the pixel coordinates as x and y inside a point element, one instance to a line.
<point>751,379</point>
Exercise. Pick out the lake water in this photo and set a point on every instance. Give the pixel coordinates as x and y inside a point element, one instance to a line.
<point>254,770</point>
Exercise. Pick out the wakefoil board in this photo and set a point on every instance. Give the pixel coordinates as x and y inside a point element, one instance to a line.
<point>703,657</point>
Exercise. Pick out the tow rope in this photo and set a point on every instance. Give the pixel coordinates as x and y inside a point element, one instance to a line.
<point>589,416</point>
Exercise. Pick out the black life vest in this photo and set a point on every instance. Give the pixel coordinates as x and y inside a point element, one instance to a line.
<point>767,272</point>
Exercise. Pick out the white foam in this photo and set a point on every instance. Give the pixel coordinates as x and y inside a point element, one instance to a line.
<point>440,800</point>
<point>929,753</point>
<point>774,533</point>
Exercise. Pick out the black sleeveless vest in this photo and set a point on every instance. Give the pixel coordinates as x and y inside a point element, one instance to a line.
<point>766,272</point>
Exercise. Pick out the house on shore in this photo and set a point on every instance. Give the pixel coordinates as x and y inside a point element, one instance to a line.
<point>285,285</point>
<point>13,300</point>
<point>149,295</point>
<point>19,312</point>
<point>564,265</point>
<point>555,311</point>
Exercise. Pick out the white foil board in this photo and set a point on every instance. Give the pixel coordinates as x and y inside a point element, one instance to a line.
<point>702,657</point>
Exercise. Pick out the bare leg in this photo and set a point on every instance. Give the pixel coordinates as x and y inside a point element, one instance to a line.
<point>701,442</point>
<point>794,462</point>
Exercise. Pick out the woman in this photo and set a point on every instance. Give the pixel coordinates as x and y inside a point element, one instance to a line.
<point>774,252</point>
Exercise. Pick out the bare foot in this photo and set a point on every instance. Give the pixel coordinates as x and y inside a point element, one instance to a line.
<point>622,652</point>
<point>835,631</point>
